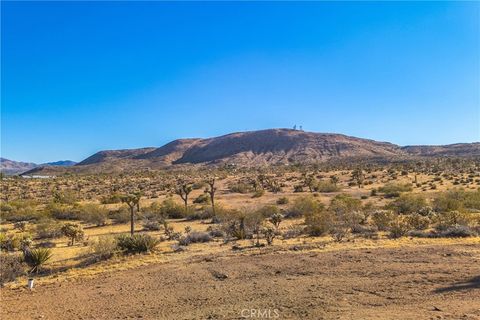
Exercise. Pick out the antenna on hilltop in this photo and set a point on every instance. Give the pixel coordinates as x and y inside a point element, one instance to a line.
<point>301,129</point>
<point>295,127</point>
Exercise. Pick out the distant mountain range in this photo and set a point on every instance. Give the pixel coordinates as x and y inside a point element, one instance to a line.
<point>257,148</point>
<point>13,167</point>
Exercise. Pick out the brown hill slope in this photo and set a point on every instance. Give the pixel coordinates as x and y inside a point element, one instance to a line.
<point>109,155</point>
<point>257,148</point>
<point>457,149</point>
<point>283,146</point>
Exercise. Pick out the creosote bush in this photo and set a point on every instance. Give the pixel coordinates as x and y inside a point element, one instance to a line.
<point>195,237</point>
<point>105,248</point>
<point>392,190</point>
<point>11,267</point>
<point>138,243</point>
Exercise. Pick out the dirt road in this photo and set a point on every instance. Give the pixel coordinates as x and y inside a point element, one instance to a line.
<point>429,282</point>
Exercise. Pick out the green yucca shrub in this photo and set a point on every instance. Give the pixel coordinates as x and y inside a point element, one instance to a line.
<point>36,258</point>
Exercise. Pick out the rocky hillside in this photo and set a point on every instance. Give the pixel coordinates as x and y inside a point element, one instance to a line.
<point>263,147</point>
<point>13,167</point>
<point>257,148</point>
<point>458,149</point>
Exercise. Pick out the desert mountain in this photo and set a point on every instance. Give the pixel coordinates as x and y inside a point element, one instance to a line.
<point>257,148</point>
<point>457,149</point>
<point>12,167</point>
<point>262,147</point>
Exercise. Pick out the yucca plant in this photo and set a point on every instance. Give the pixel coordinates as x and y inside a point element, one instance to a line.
<point>36,258</point>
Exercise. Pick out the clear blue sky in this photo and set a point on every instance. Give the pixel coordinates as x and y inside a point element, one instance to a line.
<point>86,76</point>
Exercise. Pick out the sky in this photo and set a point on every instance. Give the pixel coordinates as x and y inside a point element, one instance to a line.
<point>80,77</point>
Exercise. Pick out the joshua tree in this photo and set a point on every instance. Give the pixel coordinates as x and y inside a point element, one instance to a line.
<point>334,179</point>
<point>73,231</point>
<point>211,189</point>
<point>183,189</point>
<point>358,176</point>
<point>310,182</point>
<point>133,201</point>
<point>276,219</point>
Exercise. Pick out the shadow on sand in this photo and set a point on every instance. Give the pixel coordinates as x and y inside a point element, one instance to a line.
<point>473,283</point>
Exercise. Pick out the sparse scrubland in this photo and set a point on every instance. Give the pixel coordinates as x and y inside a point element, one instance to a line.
<point>248,230</point>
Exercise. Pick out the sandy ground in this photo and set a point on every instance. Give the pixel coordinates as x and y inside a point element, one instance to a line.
<point>425,282</point>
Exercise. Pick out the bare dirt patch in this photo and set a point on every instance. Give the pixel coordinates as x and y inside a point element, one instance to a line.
<point>427,282</point>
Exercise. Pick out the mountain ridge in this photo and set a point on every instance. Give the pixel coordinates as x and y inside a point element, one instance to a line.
<point>259,148</point>
<point>8,166</point>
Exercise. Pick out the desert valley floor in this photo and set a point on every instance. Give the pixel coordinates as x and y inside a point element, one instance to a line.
<point>305,281</point>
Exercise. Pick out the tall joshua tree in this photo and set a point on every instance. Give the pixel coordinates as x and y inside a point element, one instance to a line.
<point>183,189</point>
<point>133,202</point>
<point>211,189</point>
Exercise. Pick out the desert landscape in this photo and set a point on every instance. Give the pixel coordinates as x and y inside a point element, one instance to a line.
<point>240,160</point>
<point>377,237</point>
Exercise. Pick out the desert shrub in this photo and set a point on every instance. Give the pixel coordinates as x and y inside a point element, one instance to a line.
<point>195,237</point>
<point>451,200</point>
<point>421,234</point>
<point>8,242</point>
<point>282,200</point>
<point>151,225</point>
<point>382,219</point>
<point>105,248</point>
<point>203,213</point>
<point>240,187</point>
<point>326,187</point>
<point>170,209</point>
<point>61,211</point>
<point>319,221</point>
<point>120,215</point>
<point>298,188</point>
<point>449,219</point>
<point>19,210</point>
<point>276,219</point>
<point>348,211</point>
<point>48,229</point>
<point>202,199</point>
<point>302,206</point>
<point>268,211</point>
<point>234,223</point>
<point>11,267</point>
<point>111,199</point>
<point>270,234</point>
<point>215,232</point>
<point>472,199</point>
<point>20,225</point>
<point>391,190</point>
<point>138,243</point>
<point>416,221</point>
<point>457,232</point>
<point>366,231</point>
<point>153,212</point>
<point>12,242</point>
<point>94,214</point>
<point>73,231</point>
<point>258,193</point>
<point>37,258</point>
<point>65,197</point>
<point>293,232</point>
<point>408,203</point>
<point>398,227</point>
